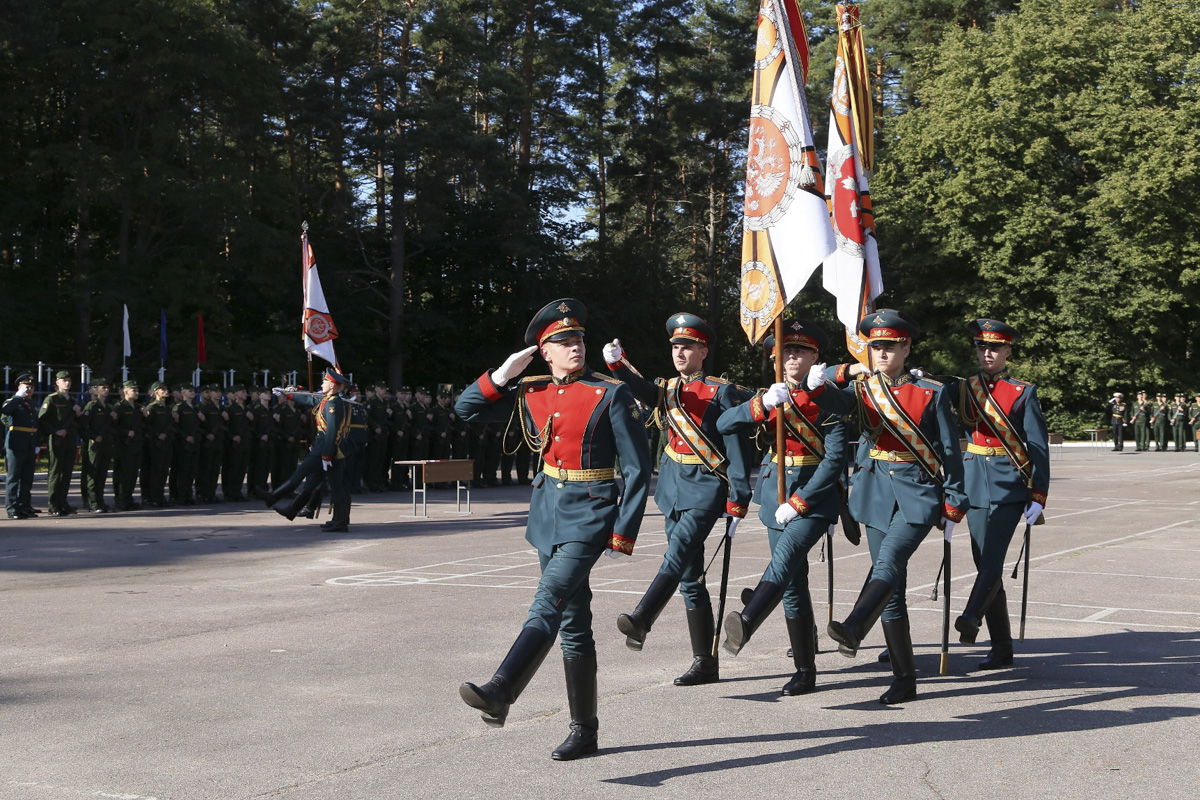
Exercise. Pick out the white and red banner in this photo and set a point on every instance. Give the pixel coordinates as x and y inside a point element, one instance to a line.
<point>852,273</point>
<point>319,331</point>
<point>786,230</point>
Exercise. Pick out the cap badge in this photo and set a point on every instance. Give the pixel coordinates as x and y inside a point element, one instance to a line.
<point>987,325</point>
<point>563,307</point>
<point>878,319</point>
<point>681,320</point>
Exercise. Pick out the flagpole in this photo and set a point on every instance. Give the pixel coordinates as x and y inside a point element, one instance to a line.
<point>780,458</point>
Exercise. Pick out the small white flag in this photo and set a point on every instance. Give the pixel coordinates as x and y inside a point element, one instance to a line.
<point>128,351</point>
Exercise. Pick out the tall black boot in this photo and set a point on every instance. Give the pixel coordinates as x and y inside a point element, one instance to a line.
<point>866,611</point>
<point>514,674</point>
<point>582,700</point>
<point>292,509</point>
<point>741,625</point>
<point>987,584</point>
<point>1001,654</point>
<point>705,668</point>
<point>804,654</point>
<point>339,519</point>
<point>904,666</point>
<point>636,625</point>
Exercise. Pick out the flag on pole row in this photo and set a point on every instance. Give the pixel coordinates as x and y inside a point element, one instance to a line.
<point>852,273</point>
<point>126,350</point>
<point>786,231</point>
<point>319,331</point>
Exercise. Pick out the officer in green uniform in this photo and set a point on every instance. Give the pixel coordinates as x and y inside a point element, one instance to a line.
<point>1142,410</point>
<point>356,442</point>
<point>85,454</point>
<point>129,430</point>
<point>1116,412</point>
<point>99,418</point>
<point>237,433</point>
<point>442,427</point>
<point>401,424</point>
<point>185,456</point>
<point>422,420</point>
<point>262,442</point>
<point>160,441</point>
<point>1158,422</point>
<point>288,421</point>
<point>20,449</point>
<point>1180,424</point>
<point>1194,413</point>
<point>212,443</point>
<point>58,422</point>
<point>579,423</point>
<point>378,434</point>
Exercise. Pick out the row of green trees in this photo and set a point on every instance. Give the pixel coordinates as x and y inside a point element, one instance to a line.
<point>461,162</point>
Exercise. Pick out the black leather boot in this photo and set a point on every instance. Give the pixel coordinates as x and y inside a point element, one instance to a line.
<point>866,611</point>
<point>804,655</point>
<point>987,584</point>
<point>637,624</point>
<point>524,657</point>
<point>339,519</point>
<point>705,667</point>
<point>904,667</point>
<point>292,509</point>
<point>1001,654</point>
<point>582,700</point>
<point>740,626</point>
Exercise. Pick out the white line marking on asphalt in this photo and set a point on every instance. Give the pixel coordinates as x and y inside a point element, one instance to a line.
<point>80,792</point>
<point>1099,615</point>
<point>1114,575</point>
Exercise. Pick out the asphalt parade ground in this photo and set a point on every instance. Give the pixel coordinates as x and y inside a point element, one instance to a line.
<point>222,652</point>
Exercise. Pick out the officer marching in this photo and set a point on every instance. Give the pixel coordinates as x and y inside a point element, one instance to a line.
<point>703,475</point>
<point>1007,474</point>
<point>20,449</point>
<point>817,447</point>
<point>908,478</point>
<point>578,423</point>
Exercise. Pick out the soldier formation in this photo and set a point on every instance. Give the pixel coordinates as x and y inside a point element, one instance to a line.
<point>1159,419</point>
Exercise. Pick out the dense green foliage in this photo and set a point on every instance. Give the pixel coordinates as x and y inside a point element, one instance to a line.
<point>460,162</point>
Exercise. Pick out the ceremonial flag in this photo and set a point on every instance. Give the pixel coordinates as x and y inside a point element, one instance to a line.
<point>319,331</point>
<point>852,272</point>
<point>126,350</point>
<point>162,335</point>
<point>201,354</point>
<point>786,232</point>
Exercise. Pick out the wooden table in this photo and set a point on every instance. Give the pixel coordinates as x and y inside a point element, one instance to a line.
<point>459,470</point>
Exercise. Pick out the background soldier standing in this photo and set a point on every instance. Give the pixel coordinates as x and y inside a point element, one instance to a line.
<point>262,443</point>
<point>85,450</point>
<point>401,428</point>
<point>1141,422</point>
<point>100,417</point>
<point>58,421</point>
<point>1194,411</point>
<point>237,432</point>
<point>160,441</point>
<point>1180,422</point>
<point>1162,410</point>
<point>212,443</point>
<point>288,421</point>
<point>186,455</point>
<point>378,436</point>
<point>20,449</point>
<point>129,431</point>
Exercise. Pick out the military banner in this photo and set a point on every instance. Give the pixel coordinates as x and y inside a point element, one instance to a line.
<point>786,230</point>
<point>319,331</point>
<point>852,273</point>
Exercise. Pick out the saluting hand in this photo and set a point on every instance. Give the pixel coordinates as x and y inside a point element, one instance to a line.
<point>513,366</point>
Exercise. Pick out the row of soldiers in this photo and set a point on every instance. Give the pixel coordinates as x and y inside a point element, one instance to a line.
<point>1179,420</point>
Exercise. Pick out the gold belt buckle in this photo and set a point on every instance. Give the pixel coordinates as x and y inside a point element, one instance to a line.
<point>562,473</point>
<point>891,455</point>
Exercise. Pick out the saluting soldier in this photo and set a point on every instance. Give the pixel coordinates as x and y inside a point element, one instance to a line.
<point>1117,411</point>
<point>702,476</point>
<point>908,478</point>
<point>58,421</point>
<point>20,449</point>
<point>1162,410</point>
<point>160,441</point>
<point>326,458</point>
<point>129,430</point>
<point>1180,422</point>
<point>100,417</point>
<point>237,444</point>
<point>212,443</point>
<point>579,423</point>
<point>817,448</point>
<point>1007,474</point>
<point>1142,410</point>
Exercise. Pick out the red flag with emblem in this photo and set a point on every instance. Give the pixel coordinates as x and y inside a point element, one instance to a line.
<point>852,273</point>
<point>786,231</point>
<point>319,331</point>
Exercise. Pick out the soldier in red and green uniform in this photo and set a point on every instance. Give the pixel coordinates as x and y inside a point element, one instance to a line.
<point>578,423</point>
<point>702,476</point>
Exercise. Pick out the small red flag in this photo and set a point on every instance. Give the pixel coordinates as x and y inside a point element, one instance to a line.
<point>201,356</point>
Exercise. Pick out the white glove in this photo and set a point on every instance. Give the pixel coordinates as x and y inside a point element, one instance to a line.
<point>917,373</point>
<point>948,528</point>
<point>611,553</point>
<point>778,393</point>
<point>613,352</point>
<point>326,463</point>
<point>513,366</point>
<point>277,390</point>
<point>731,531</point>
<point>785,514</point>
<point>1033,511</point>
<point>23,390</point>
<point>816,377</point>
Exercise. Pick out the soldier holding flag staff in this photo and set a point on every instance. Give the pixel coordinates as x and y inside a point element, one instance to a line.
<point>703,475</point>
<point>578,423</point>
<point>908,478</point>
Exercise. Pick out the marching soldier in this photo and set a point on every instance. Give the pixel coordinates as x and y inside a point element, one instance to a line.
<point>20,449</point>
<point>1162,410</point>
<point>703,476</point>
<point>326,459</point>
<point>160,439</point>
<point>129,444</point>
<point>58,421</point>
<point>579,423</point>
<point>1117,412</point>
<point>100,417</point>
<point>1007,474</point>
<point>817,447</point>
<point>212,443</point>
<point>1180,422</point>
<point>1142,411</point>
<point>908,478</point>
<point>185,455</point>
<point>237,445</point>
